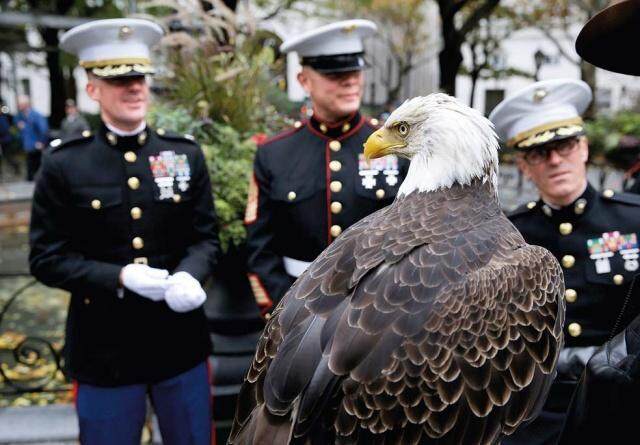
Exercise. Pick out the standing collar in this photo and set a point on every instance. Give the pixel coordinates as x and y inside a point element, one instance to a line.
<point>574,210</point>
<point>120,132</point>
<point>337,129</point>
<point>126,140</point>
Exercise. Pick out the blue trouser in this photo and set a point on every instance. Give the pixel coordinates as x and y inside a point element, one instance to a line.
<point>116,415</point>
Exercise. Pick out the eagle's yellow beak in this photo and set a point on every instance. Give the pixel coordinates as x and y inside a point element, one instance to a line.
<point>382,143</point>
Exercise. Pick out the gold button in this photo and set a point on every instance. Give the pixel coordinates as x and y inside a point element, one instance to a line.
<point>133,182</point>
<point>608,193</point>
<point>130,156</point>
<point>580,205</point>
<point>177,198</point>
<point>323,128</point>
<point>335,186</point>
<point>380,193</point>
<point>86,133</point>
<point>336,207</point>
<point>335,166</point>
<point>297,124</point>
<point>161,131</point>
<point>574,329</point>
<point>346,127</point>
<point>96,204</point>
<point>374,121</point>
<point>566,228</point>
<point>87,301</point>
<point>336,231</point>
<point>137,243</point>
<point>335,145</point>
<point>531,204</point>
<point>267,316</point>
<point>291,195</point>
<point>568,261</point>
<point>570,295</point>
<point>136,212</point>
<point>618,279</point>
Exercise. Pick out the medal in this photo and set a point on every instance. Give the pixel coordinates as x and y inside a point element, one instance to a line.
<point>167,169</point>
<point>628,248</point>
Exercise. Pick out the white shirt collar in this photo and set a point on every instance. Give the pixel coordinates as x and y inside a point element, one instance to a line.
<point>121,133</point>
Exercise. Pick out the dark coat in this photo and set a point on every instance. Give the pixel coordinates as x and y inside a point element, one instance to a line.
<point>604,407</point>
<point>595,239</point>
<point>97,207</point>
<point>311,183</point>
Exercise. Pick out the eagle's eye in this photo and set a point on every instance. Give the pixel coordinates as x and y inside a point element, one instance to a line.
<point>403,129</point>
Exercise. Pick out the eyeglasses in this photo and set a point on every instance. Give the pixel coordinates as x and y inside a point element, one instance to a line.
<point>541,154</point>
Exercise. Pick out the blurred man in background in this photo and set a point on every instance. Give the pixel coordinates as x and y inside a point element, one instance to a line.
<point>34,134</point>
<point>74,123</point>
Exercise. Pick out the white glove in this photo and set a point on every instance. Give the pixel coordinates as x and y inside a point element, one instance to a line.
<point>184,292</point>
<point>144,280</point>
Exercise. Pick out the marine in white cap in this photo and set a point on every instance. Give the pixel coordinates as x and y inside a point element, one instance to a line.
<point>311,182</point>
<point>605,41</point>
<point>123,219</point>
<point>604,407</point>
<point>594,235</point>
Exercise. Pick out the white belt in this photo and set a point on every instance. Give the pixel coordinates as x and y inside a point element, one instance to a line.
<point>294,267</point>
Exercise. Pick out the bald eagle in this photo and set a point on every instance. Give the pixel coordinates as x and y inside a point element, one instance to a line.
<point>429,321</point>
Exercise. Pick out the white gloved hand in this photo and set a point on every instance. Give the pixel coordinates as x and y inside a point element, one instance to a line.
<point>184,292</point>
<point>144,280</point>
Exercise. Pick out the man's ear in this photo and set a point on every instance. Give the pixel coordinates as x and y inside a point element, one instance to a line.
<point>93,88</point>
<point>304,80</point>
<point>522,165</point>
<point>584,148</point>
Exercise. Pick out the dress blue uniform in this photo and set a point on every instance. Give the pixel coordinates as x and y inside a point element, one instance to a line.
<point>594,238</point>
<point>107,200</point>
<point>312,181</point>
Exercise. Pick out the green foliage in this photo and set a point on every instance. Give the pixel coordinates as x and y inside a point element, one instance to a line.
<point>220,83</point>
<point>229,158</point>
<point>227,87</point>
<point>615,137</point>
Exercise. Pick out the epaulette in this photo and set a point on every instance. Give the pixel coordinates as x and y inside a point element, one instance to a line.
<point>297,126</point>
<point>523,209</point>
<point>166,134</point>
<point>57,144</point>
<point>625,198</point>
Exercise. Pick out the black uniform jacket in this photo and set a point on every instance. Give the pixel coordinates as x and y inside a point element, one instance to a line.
<point>310,183</point>
<point>604,408</point>
<point>596,242</point>
<point>102,202</point>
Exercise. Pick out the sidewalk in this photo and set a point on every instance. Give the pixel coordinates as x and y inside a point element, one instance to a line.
<point>53,424</point>
<point>45,425</point>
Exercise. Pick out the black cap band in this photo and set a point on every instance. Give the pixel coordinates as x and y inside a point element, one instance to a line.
<point>336,63</point>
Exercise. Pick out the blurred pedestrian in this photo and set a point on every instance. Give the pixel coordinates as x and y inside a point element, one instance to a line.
<point>123,218</point>
<point>34,134</point>
<point>7,141</point>
<point>74,123</point>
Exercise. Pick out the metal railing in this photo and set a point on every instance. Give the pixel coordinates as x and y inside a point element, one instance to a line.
<point>37,360</point>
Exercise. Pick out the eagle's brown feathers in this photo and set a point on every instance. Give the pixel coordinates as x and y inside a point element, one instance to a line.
<point>430,321</point>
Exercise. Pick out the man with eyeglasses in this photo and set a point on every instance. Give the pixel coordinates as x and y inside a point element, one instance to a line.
<point>312,182</point>
<point>592,234</point>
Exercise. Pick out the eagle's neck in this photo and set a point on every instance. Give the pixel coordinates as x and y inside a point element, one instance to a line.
<point>431,173</point>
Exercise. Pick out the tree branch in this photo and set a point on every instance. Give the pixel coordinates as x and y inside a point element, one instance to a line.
<point>481,12</point>
<point>547,33</point>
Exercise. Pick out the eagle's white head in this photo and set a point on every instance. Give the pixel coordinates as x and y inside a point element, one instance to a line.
<point>446,141</point>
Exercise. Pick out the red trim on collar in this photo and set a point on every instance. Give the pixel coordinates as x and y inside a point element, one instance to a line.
<point>281,135</point>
